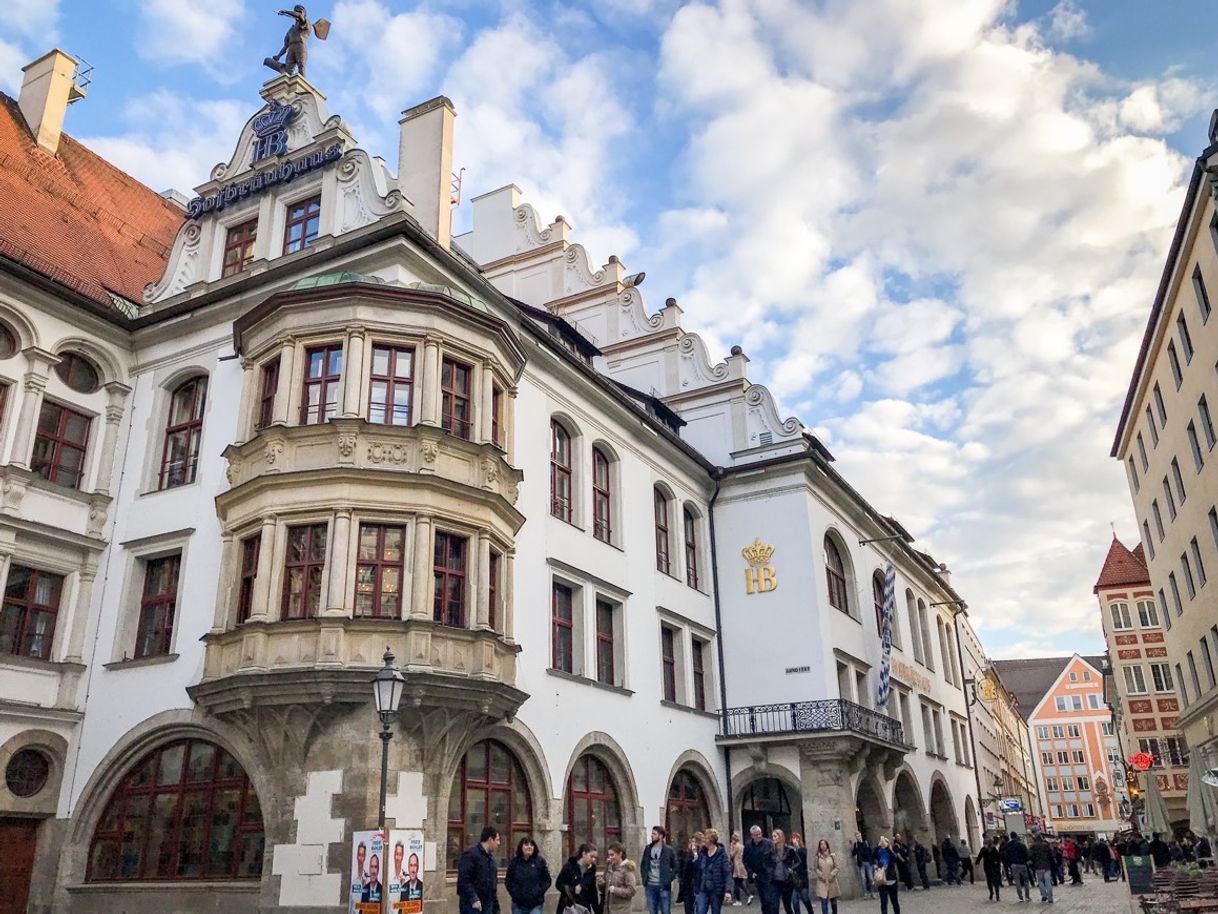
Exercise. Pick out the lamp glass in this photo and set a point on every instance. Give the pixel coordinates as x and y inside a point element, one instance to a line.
<point>387,687</point>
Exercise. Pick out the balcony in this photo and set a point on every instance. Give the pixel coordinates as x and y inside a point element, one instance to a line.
<point>831,716</point>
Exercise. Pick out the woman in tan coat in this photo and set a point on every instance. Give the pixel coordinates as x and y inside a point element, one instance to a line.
<point>826,878</point>
<point>735,853</point>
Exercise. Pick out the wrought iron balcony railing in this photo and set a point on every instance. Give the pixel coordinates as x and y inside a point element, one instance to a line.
<point>823,716</point>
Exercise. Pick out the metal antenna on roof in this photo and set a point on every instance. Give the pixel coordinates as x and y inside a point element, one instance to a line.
<point>1113,526</point>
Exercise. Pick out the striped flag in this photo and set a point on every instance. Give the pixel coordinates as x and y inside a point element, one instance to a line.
<point>890,611</point>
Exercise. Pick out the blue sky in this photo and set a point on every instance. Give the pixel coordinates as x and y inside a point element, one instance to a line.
<point>935,225</point>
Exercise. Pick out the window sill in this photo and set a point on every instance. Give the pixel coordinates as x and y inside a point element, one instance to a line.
<point>37,663</point>
<point>140,661</point>
<point>162,491</point>
<point>609,542</point>
<point>584,680</point>
<point>569,523</point>
<point>677,706</point>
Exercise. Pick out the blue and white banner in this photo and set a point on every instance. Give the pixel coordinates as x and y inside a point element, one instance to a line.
<point>890,612</point>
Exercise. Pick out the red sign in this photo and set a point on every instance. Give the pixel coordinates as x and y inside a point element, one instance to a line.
<point>1142,761</point>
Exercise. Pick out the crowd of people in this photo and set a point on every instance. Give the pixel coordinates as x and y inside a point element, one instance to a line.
<point>781,871</point>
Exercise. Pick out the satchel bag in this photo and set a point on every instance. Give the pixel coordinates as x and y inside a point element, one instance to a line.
<point>879,875</point>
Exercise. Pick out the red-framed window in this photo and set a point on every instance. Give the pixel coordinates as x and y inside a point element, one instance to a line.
<point>180,456</point>
<point>185,811</point>
<point>562,628</point>
<point>455,411</point>
<point>378,571</point>
<point>605,647</point>
<point>304,564</point>
<point>663,562</point>
<point>304,220</point>
<point>602,497</point>
<point>690,522</point>
<point>8,343</point>
<point>322,383</point>
<point>239,247</point>
<point>78,373</point>
<point>266,394</point>
<point>497,415</point>
<point>668,658</point>
<point>877,596</point>
<point>835,573</point>
<point>697,650</point>
<point>3,400</point>
<point>560,472</point>
<point>449,593</point>
<point>30,609</point>
<point>158,606</point>
<point>391,385</point>
<point>59,445</point>
<point>251,549</point>
<point>593,812</point>
<point>686,811</point>
<point>492,597</point>
<point>490,789</point>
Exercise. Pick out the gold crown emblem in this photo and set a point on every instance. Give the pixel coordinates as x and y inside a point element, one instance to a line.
<point>758,554</point>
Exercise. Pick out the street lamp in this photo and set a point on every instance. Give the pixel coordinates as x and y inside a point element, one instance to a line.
<point>387,689</point>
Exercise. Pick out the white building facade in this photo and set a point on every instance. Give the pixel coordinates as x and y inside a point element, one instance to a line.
<point>329,428</point>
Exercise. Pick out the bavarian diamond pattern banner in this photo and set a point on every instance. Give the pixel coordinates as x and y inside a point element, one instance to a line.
<point>890,611</point>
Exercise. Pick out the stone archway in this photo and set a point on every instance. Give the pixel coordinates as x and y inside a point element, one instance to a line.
<point>769,803</point>
<point>871,816</point>
<point>971,824</point>
<point>908,813</point>
<point>942,813</point>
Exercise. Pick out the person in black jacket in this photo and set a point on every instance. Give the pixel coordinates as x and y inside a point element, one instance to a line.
<point>657,870</point>
<point>576,882</point>
<point>1017,856</point>
<point>1159,851</point>
<point>691,876</point>
<point>951,862</point>
<point>478,876</point>
<point>715,874</point>
<point>528,878</point>
<point>919,856</point>
<point>1040,857</point>
<point>759,862</point>
<point>990,858</point>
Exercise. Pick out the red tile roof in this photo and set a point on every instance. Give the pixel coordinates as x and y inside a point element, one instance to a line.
<point>1122,567</point>
<point>77,219</point>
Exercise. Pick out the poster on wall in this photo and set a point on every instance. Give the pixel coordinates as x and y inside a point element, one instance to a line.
<point>367,873</point>
<point>405,847</point>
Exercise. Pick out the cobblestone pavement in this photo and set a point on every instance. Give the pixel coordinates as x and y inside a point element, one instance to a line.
<point>1093,897</point>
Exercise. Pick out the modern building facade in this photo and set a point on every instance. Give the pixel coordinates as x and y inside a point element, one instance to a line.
<point>1165,439</point>
<point>1078,757</point>
<point>310,424</point>
<point>1145,705</point>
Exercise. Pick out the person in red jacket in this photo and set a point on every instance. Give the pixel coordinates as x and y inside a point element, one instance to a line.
<point>1070,850</point>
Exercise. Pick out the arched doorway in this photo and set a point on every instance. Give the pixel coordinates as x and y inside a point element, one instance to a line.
<point>686,811</point>
<point>594,814</point>
<point>766,803</point>
<point>970,823</point>
<point>908,815</point>
<point>490,789</point>
<point>869,811</point>
<point>942,815</point>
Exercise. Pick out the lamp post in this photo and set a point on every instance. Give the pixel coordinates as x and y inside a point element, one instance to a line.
<point>387,687</point>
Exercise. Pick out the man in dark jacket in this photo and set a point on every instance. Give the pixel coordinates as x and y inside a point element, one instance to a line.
<point>1159,851</point>
<point>657,870</point>
<point>900,851</point>
<point>759,862</point>
<point>990,858</point>
<point>1102,858</point>
<point>1040,857</point>
<point>919,855</point>
<point>478,876</point>
<point>1017,854</point>
<point>951,862</point>
<point>576,882</point>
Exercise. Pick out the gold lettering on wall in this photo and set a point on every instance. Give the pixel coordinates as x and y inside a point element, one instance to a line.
<point>761,576</point>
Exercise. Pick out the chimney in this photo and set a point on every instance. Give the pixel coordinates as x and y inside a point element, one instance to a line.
<point>425,165</point>
<point>45,94</point>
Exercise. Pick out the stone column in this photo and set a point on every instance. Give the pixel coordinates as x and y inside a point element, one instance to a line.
<point>249,396</point>
<point>116,397</point>
<point>482,618</point>
<point>826,767</point>
<point>290,356</point>
<point>421,585</point>
<point>336,602</point>
<point>79,622</point>
<point>225,595</point>
<point>34,383</point>
<point>260,610</point>
<point>429,383</point>
<point>353,372</point>
<point>487,411</point>
<point>507,624</point>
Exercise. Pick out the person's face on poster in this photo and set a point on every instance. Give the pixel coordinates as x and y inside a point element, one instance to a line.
<point>374,868</point>
<point>414,867</point>
<point>398,853</point>
<point>360,854</point>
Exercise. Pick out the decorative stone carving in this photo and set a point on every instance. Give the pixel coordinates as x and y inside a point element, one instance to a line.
<point>274,449</point>
<point>12,491</point>
<point>99,510</point>
<point>430,450</point>
<point>346,446</point>
<point>490,472</point>
<point>388,452</point>
<point>183,266</point>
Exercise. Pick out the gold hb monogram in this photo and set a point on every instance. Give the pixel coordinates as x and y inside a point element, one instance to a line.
<point>761,577</point>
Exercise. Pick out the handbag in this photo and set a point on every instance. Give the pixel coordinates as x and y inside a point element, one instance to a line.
<point>578,909</point>
<point>879,875</point>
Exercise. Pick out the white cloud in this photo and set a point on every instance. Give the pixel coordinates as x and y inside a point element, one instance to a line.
<point>29,28</point>
<point>1067,21</point>
<point>186,31</point>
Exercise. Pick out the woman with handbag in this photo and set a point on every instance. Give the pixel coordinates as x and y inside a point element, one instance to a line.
<point>826,878</point>
<point>785,859</point>
<point>691,877</point>
<point>576,883</point>
<point>799,875</point>
<point>884,875</point>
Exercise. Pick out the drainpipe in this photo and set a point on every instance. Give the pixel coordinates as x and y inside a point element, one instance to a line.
<point>717,476</point>
<point>968,712</point>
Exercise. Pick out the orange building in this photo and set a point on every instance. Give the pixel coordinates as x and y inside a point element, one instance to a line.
<point>1074,745</point>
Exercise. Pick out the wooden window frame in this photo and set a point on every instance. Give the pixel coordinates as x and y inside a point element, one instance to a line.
<point>663,540</point>
<point>836,579</point>
<point>28,608</point>
<point>668,660</point>
<point>494,569</point>
<point>307,566</point>
<point>562,490</point>
<point>52,463</point>
<point>239,239</point>
<point>191,428</point>
<point>562,628</point>
<point>606,642</point>
<point>452,395</point>
<point>251,551</point>
<point>690,523</point>
<point>268,388</point>
<point>458,837</point>
<point>376,568</point>
<point>444,572</point>
<point>697,664</point>
<point>158,609</point>
<point>324,382</point>
<point>607,797</point>
<point>393,382</point>
<point>301,213</point>
<point>497,416</point>
<point>602,497</point>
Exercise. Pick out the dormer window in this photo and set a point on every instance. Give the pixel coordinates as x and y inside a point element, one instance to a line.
<point>239,247</point>
<point>304,220</point>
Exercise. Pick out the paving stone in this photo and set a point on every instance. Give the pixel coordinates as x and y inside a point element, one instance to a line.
<point>1093,897</point>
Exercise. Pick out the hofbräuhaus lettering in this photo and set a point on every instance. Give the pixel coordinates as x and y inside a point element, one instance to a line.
<point>255,184</point>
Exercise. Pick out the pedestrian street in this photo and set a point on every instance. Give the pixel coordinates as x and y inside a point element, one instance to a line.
<point>1093,897</point>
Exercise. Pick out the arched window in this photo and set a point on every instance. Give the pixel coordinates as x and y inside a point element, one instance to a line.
<point>185,811</point>
<point>560,471</point>
<point>686,811</point>
<point>691,547</point>
<point>180,457</point>
<point>602,497</point>
<point>663,560</point>
<point>928,655</point>
<point>8,343</point>
<point>911,609</point>
<point>78,373</point>
<point>490,789</point>
<point>877,595</point>
<point>593,812</point>
<point>835,572</point>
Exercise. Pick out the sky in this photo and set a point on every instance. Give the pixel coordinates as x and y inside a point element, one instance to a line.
<point>936,226</point>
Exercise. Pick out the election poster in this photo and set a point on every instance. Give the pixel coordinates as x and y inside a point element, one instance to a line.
<point>367,889</point>
<point>405,847</point>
